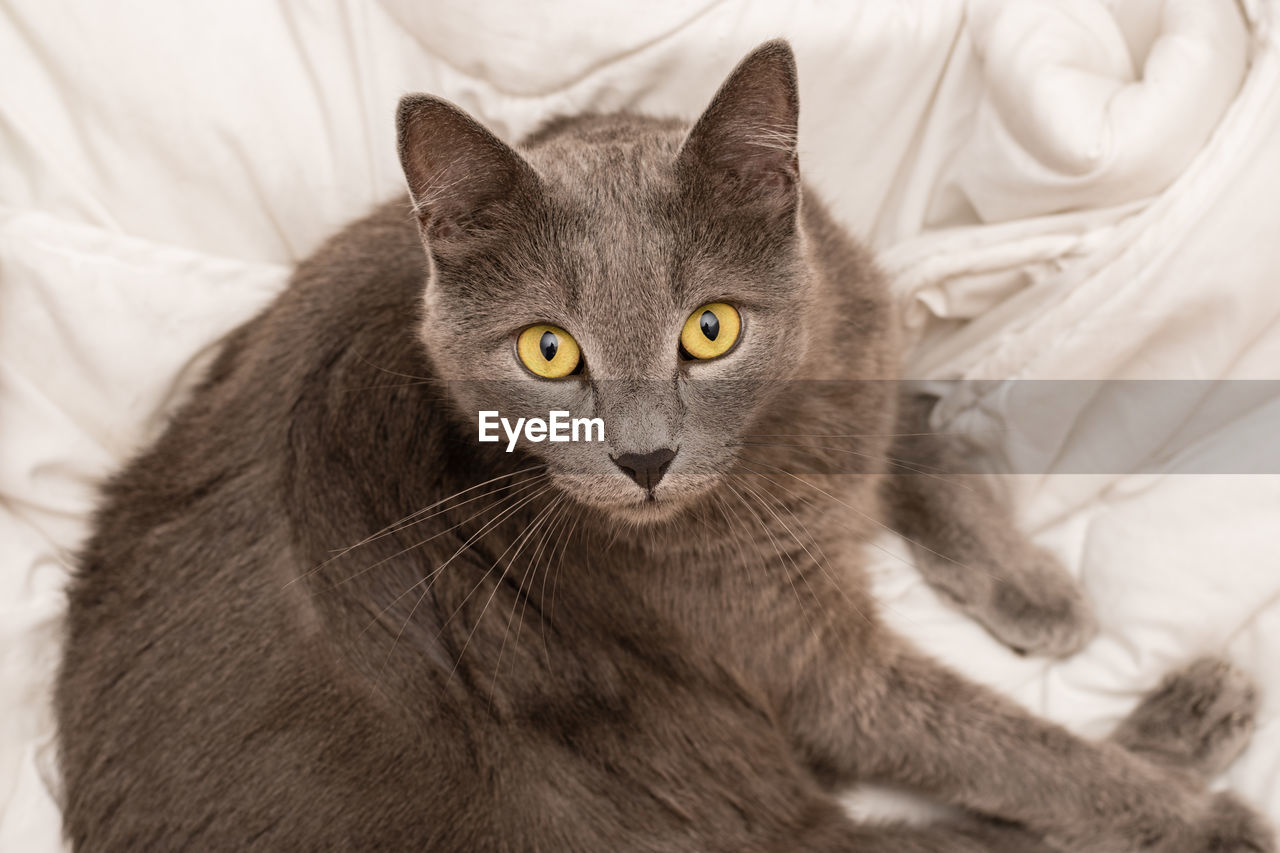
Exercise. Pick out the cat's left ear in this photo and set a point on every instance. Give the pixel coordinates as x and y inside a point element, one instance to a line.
<point>743,148</point>
<point>463,180</point>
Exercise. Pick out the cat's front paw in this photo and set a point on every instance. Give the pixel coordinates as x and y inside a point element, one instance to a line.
<point>1199,718</point>
<point>1217,823</point>
<point>1039,609</point>
<point>1231,827</point>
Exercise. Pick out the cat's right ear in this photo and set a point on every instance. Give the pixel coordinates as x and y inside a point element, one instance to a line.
<point>463,180</point>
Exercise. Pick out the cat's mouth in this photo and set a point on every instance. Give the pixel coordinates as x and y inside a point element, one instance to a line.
<point>655,505</point>
<point>651,505</point>
<point>648,509</point>
<point>632,502</point>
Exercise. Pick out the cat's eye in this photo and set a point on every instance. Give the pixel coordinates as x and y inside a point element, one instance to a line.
<point>548,351</point>
<point>711,331</point>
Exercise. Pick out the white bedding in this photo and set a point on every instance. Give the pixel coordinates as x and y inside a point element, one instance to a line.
<point>1060,188</point>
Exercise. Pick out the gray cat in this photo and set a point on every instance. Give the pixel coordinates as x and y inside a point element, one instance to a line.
<point>663,641</point>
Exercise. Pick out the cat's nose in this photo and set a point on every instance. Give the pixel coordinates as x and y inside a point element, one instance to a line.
<point>646,468</point>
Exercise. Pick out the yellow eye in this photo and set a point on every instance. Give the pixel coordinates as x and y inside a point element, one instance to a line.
<point>711,331</point>
<point>549,351</point>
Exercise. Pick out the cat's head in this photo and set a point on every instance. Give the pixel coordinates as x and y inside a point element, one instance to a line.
<point>620,267</point>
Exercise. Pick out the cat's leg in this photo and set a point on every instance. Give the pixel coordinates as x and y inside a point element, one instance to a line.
<point>968,546</point>
<point>909,721</point>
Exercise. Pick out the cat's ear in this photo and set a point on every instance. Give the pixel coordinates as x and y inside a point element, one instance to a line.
<point>743,148</point>
<point>462,179</point>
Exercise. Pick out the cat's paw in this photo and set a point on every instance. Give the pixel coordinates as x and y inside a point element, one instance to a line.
<point>1039,609</point>
<point>1199,718</point>
<point>1231,827</point>
<point>1218,823</point>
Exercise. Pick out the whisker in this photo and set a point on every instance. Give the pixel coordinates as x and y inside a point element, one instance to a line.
<point>803,576</point>
<point>556,517</point>
<point>781,559</point>
<point>809,500</point>
<point>393,385</point>
<point>394,527</point>
<point>435,573</point>
<point>850,450</point>
<point>519,538</point>
<point>823,561</point>
<point>520,489</point>
<point>391,372</point>
<point>554,530</point>
<point>877,522</point>
<point>922,469</point>
<point>522,539</point>
<point>731,520</point>
<point>824,565</point>
<point>427,590</point>
<point>872,543</point>
<point>873,434</point>
<point>555,583</point>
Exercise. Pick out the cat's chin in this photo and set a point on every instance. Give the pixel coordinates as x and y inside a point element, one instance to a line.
<point>646,511</point>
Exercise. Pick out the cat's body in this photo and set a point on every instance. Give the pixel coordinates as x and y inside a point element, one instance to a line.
<point>512,669</point>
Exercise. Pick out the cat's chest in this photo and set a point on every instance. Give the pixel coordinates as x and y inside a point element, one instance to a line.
<point>759,609</point>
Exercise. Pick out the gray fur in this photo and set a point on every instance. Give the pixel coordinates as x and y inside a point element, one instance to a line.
<point>543,658</point>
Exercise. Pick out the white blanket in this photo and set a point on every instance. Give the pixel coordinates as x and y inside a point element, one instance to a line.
<point>1060,189</point>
